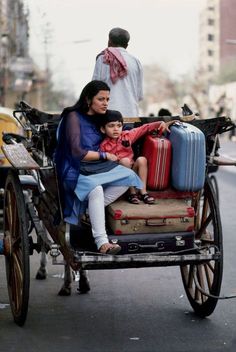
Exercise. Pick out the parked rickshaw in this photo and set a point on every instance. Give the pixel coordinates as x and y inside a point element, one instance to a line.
<point>32,198</point>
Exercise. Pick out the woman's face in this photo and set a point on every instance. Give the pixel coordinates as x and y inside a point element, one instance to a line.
<point>99,103</point>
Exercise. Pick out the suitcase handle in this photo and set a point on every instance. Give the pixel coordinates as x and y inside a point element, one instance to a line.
<point>156,134</point>
<point>159,222</point>
<point>134,247</point>
<point>160,245</point>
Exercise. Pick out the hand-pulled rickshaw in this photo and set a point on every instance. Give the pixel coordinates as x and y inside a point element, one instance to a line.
<point>32,200</point>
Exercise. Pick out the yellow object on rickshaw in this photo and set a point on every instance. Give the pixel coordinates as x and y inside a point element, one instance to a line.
<point>9,124</point>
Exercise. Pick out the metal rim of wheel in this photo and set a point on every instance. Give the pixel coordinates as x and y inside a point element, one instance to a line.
<point>209,273</point>
<point>215,186</point>
<point>16,243</point>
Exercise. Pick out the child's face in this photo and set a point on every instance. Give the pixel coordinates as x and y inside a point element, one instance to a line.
<point>112,129</point>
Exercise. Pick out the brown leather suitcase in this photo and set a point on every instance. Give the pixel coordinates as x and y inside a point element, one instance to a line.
<point>165,216</point>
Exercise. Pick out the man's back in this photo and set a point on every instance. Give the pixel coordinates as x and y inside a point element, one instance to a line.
<point>127,91</point>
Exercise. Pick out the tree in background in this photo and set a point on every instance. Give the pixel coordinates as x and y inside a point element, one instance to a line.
<point>227,73</point>
<point>162,91</point>
<point>159,88</point>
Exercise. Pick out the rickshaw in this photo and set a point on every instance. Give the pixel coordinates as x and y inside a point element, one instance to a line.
<point>32,199</point>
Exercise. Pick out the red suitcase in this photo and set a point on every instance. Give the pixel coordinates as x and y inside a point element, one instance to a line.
<point>157,150</point>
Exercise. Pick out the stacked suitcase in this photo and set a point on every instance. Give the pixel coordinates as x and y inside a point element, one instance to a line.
<point>188,157</point>
<point>158,154</point>
<point>166,215</point>
<point>166,225</point>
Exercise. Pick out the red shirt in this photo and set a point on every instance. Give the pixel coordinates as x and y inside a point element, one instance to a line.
<point>122,146</point>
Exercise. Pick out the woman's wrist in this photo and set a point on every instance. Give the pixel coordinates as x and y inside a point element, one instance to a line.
<point>102,155</point>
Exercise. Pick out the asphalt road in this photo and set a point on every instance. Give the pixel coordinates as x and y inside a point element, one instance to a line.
<point>135,310</point>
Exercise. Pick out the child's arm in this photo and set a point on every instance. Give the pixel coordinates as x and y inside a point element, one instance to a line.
<point>160,126</point>
<point>138,132</point>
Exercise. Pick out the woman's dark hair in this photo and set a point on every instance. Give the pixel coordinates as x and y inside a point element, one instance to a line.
<point>90,90</point>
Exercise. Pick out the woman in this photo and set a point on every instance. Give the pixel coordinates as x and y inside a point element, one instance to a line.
<point>88,177</point>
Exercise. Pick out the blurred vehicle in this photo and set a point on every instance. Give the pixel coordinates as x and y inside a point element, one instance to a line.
<point>9,124</point>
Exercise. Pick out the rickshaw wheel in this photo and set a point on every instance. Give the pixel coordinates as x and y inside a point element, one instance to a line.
<point>16,243</point>
<point>209,273</point>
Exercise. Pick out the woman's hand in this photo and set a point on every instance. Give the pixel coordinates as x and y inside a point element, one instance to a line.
<point>112,157</point>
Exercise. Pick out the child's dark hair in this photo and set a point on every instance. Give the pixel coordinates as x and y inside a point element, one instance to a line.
<point>111,116</point>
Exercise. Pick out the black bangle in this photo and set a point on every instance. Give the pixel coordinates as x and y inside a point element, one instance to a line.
<point>102,155</point>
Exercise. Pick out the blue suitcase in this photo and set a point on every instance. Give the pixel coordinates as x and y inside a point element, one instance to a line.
<point>188,157</point>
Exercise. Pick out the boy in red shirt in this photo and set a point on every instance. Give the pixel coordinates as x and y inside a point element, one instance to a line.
<point>118,143</point>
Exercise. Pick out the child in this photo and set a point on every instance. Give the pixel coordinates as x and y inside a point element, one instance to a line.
<point>119,143</point>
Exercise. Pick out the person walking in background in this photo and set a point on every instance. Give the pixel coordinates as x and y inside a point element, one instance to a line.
<point>122,72</point>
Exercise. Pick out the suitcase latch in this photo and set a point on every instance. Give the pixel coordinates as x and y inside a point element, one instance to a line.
<point>179,241</point>
<point>183,220</point>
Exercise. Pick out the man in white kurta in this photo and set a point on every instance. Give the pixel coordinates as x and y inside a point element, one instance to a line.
<point>126,89</point>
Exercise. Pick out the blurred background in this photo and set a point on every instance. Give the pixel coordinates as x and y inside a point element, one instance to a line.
<point>187,49</point>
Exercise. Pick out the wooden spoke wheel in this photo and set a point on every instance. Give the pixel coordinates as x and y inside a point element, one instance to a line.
<point>16,244</point>
<point>205,277</point>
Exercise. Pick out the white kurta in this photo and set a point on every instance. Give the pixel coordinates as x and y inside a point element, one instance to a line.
<point>126,92</point>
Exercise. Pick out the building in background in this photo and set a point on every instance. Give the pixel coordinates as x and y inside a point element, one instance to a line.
<point>14,47</point>
<point>19,76</point>
<point>217,30</point>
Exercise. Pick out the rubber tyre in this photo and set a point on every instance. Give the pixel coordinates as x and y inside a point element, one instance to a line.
<point>209,274</point>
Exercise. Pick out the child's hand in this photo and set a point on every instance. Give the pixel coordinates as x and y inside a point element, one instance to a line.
<point>168,124</point>
<point>164,126</point>
<point>112,157</point>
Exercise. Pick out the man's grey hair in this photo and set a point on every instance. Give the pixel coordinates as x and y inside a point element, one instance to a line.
<point>119,37</point>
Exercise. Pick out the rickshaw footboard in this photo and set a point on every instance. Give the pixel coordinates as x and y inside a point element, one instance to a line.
<point>93,261</point>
